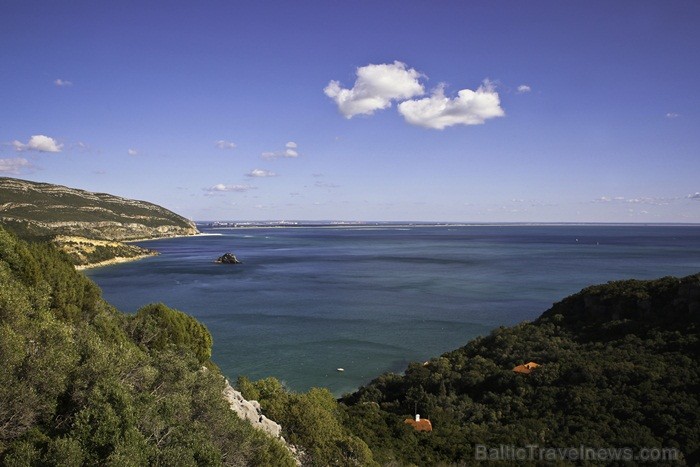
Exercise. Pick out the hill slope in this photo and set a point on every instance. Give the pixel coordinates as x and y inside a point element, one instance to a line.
<point>618,369</point>
<point>83,384</point>
<point>45,210</point>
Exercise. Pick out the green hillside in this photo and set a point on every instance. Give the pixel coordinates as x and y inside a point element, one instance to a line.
<point>45,210</point>
<point>618,369</point>
<point>83,384</point>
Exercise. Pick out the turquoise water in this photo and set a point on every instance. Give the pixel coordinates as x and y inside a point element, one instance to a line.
<point>307,301</point>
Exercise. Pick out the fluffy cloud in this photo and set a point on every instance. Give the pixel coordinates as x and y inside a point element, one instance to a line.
<point>221,144</point>
<point>14,166</point>
<point>694,196</point>
<point>468,108</point>
<point>375,87</point>
<point>672,115</point>
<point>39,143</point>
<point>290,151</point>
<point>259,173</point>
<point>523,88</point>
<point>62,82</point>
<point>222,188</point>
<point>132,152</point>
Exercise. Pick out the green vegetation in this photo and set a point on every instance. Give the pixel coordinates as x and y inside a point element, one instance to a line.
<point>83,384</point>
<point>619,369</point>
<point>42,210</point>
<point>84,252</point>
<point>312,420</point>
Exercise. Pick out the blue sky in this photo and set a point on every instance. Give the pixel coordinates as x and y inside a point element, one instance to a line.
<point>405,110</point>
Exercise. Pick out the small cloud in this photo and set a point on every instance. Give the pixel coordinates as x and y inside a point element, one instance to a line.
<point>524,88</point>
<point>221,144</point>
<point>694,196</point>
<point>62,83</point>
<point>259,173</point>
<point>14,165</point>
<point>326,185</point>
<point>290,151</point>
<point>39,143</point>
<point>672,115</point>
<point>223,188</point>
<point>376,86</point>
<point>132,152</point>
<point>468,108</point>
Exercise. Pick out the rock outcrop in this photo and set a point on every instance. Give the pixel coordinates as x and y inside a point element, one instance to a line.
<point>227,258</point>
<point>250,410</point>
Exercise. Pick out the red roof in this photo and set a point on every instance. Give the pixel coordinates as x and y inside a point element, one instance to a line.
<point>526,369</point>
<point>421,425</point>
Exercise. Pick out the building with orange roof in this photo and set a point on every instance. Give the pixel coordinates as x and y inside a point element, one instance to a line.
<point>419,424</point>
<point>526,369</point>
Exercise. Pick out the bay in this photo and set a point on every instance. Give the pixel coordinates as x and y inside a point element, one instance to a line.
<point>370,299</point>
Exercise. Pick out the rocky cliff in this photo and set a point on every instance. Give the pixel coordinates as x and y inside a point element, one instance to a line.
<point>46,210</point>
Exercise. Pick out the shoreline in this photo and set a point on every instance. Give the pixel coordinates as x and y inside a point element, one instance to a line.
<point>109,262</point>
<point>200,234</point>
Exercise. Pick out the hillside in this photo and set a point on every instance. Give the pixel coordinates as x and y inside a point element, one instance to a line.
<point>44,210</point>
<point>618,369</point>
<point>83,384</point>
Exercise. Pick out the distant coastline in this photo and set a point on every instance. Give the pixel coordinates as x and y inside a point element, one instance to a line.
<point>349,224</point>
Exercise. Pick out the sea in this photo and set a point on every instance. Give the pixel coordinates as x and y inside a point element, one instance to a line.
<point>335,306</point>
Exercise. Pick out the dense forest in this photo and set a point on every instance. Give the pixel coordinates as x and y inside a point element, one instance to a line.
<point>618,368</point>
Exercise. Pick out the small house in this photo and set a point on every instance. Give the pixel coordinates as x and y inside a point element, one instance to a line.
<point>419,424</point>
<point>526,369</point>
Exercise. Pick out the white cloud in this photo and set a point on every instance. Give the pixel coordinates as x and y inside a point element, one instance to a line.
<point>221,144</point>
<point>290,151</point>
<point>672,115</point>
<point>223,188</point>
<point>375,87</point>
<point>62,82</point>
<point>39,143</point>
<point>694,196</point>
<point>14,166</point>
<point>468,108</point>
<point>132,152</point>
<point>259,173</point>
<point>523,88</point>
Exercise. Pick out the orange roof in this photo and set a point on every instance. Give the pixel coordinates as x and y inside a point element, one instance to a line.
<point>526,368</point>
<point>421,425</point>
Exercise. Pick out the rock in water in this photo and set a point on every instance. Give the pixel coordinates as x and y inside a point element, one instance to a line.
<point>227,258</point>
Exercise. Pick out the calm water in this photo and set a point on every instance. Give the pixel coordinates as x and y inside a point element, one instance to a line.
<point>306,301</point>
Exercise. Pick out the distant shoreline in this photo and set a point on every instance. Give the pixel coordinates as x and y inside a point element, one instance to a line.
<point>225,225</point>
<point>170,236</point>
